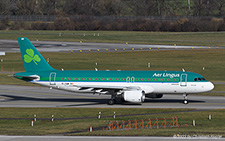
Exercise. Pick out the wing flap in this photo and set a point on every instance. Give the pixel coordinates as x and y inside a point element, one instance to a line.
<point>103,87</point>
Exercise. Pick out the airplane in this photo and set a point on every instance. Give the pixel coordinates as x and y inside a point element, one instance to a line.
<point>128,86</point>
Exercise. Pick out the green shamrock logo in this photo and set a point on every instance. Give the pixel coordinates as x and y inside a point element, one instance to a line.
<point>31,57</point>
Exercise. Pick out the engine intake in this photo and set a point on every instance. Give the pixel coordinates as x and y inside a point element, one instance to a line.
<point>136,96</point>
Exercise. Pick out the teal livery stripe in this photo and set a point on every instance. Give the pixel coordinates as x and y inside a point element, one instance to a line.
<point>116,76</point>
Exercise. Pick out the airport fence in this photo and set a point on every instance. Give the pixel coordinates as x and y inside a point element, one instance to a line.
<point>51,18</point>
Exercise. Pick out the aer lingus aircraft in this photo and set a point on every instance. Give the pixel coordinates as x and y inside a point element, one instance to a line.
<point>129,86</point>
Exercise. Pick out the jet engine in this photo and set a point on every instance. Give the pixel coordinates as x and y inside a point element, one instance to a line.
<point>136,96</point>
<point>154,95</point>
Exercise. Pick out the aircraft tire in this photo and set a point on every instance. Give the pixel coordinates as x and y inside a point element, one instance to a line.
<point>185,102</point>
<point>112,101</point>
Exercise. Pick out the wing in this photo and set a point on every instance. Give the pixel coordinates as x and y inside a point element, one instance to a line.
<point>104,89</point>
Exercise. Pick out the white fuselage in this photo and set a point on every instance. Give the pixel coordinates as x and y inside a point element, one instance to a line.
<point>157,88</point>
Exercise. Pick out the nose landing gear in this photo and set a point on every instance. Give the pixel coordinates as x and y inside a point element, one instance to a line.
<point>185,99</point>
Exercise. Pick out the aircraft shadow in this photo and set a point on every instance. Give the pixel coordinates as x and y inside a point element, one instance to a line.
<point>18,98</point>
<point>172,101</point>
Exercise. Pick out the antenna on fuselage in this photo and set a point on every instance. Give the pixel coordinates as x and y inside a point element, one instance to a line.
<point>96,63</point>
<point>183,69</point>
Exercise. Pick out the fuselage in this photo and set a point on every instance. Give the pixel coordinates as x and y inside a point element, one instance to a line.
<point>130,86</point>
<point>157,82</point>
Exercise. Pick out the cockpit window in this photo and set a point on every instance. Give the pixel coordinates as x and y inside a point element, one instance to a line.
<point>199,79</point>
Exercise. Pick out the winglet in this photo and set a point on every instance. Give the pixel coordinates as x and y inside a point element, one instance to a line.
<point>32,59</point>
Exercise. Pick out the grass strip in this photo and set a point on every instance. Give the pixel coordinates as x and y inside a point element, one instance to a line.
<point>134,37</point>
<point>190,60</point>
<point>204,126</point>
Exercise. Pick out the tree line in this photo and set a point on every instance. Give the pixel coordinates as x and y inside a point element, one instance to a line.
<point>114,7</point>
<point>142,24</point>
<point>207,15</point>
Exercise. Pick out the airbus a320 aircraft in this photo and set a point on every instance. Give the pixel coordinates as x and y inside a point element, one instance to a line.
<point>129,86</point>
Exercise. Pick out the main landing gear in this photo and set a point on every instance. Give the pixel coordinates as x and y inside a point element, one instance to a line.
<point>112,100</point>
<point>185,99</point>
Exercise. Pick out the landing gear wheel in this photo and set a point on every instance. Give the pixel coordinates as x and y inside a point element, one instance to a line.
<point>185,101</point>
<point>112,101</point>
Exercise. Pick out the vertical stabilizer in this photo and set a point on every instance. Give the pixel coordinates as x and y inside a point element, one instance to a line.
<point>32,59</point>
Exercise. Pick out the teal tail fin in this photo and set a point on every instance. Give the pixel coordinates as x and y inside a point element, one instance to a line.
<point>32,59</point>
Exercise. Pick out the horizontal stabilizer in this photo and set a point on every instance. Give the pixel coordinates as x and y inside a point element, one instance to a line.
<point>31,77</point>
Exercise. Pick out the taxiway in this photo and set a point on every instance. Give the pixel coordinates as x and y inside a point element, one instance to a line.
<point>101,138</point>
<point>52,46</point>
<point>30,96</point>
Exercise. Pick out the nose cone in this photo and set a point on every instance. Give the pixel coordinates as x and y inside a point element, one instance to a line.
<point>209,86</point>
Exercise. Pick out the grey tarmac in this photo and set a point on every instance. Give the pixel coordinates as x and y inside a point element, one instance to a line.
<point>53,46</point>
<point>33,96</point>
<point>103,138</point>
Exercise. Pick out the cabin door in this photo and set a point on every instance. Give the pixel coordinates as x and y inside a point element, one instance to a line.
<point>183,80</point>
<point>128,79</point>
<point>132,79</point>
<point>52,77</point>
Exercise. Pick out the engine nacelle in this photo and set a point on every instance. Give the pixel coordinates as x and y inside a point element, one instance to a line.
<point>136,96</point>
<point>154,95</point>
